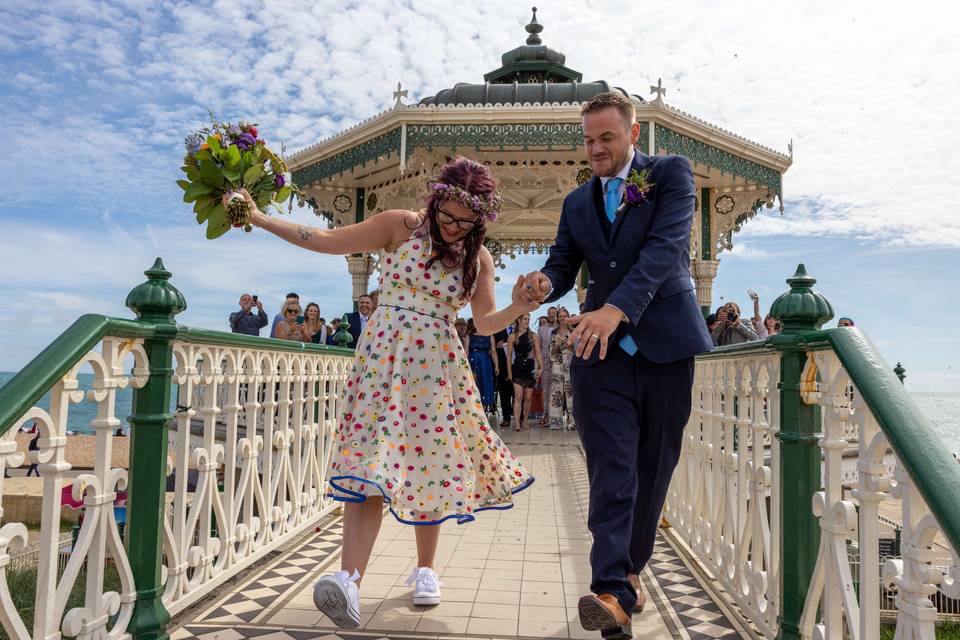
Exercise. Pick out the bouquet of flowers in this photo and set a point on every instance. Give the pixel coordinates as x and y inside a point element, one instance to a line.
<point>222,159</point>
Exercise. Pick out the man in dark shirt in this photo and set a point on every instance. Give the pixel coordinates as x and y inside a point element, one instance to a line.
<point>244,321</point>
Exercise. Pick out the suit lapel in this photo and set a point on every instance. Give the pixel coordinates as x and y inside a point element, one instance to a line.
<point>591,213</point>
<point>640,162</point>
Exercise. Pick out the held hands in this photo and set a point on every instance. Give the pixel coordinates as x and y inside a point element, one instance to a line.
<point>536,287</point>
<point>520,296</point>
<point>593,328</point>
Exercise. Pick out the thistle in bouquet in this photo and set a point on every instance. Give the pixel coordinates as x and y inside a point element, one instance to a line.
<point>222,159</point>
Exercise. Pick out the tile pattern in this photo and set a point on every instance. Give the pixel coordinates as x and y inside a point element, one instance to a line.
<point>694,610</point>
<point>510,574</point>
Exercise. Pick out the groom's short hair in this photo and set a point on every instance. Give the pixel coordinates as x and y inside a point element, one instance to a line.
<point>611,100</point>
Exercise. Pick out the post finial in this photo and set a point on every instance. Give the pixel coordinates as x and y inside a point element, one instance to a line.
<point>534,29</point>
<point>801,308</point>
<point>156,300</point>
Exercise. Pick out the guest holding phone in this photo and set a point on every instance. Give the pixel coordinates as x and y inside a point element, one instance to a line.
<point>292,326</point>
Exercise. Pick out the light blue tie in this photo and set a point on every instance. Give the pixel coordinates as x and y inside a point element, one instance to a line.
<point>611,202</point>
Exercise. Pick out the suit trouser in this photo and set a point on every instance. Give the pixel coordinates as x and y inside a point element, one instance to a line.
<point>632,430</point>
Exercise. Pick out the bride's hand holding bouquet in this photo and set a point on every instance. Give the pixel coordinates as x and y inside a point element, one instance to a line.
<point>232,176</point>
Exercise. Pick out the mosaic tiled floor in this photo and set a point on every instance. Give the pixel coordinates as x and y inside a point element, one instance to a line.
<point>510,574</point>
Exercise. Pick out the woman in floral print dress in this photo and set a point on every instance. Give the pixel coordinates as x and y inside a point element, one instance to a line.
<point>412,430</point>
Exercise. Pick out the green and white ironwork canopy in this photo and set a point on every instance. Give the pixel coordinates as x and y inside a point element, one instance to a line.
<point>524,122</point>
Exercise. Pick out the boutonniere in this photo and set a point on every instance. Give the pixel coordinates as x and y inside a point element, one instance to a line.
<point>637,190</point>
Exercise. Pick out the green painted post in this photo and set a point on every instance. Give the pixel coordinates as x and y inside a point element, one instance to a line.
<point>156,301</point>
<point>342,337</point>
<point>799,310</point>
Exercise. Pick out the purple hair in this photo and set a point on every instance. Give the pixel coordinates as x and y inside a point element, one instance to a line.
<point>476,179</point>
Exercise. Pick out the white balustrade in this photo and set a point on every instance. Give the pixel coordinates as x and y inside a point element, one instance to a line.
<point>722,502</point>
<point>849,513</point>
<point>103,614</point>
<point>256,426</point>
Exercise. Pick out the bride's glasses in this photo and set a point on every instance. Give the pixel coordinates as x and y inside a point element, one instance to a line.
<point>445,218</point>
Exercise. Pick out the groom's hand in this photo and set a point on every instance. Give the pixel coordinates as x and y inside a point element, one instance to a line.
<point>593,328</point>
<point>536,287</point>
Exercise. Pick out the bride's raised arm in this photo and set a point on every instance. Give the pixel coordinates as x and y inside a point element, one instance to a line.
<point>384,230</point>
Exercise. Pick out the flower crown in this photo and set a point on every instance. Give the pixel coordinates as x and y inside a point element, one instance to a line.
<point>487,206</point>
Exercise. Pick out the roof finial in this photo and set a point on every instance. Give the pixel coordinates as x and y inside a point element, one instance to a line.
<point>534,29</point>
<point>659,90</point>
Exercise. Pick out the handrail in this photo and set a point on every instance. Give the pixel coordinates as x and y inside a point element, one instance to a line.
<point>27,387</point>
<point>223,338</point>
<point>907,429</point>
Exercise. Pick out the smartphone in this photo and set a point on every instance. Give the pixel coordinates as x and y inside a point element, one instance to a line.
<point>254,298</point>
<point>299,319</point>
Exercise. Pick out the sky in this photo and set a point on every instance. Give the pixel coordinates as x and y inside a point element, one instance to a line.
<point>96,98</point>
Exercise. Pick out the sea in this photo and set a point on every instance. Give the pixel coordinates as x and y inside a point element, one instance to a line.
<point>943,410</point>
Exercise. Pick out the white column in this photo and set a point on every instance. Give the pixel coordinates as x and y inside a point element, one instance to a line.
<point>704,271</point>
<point>360,267</point>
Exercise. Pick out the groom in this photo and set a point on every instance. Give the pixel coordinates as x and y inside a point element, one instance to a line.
<point>635,341</point>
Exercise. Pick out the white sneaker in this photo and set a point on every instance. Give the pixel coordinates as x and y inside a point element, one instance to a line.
<point>337,596</point>
<point>427,589</point>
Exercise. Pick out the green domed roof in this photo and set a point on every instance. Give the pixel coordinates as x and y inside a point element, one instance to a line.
<point>530,73</point>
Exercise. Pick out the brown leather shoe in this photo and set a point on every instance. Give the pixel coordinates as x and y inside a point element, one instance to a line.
<point>641,596</point>
<point>603,613</point>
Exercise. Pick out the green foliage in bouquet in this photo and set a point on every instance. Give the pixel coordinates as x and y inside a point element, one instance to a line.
<point>220,160</point>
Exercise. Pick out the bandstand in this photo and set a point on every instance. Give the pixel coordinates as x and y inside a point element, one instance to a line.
<point>524,122</point>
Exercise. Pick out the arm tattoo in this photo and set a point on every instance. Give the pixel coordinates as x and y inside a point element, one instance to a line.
<point>305,233</point>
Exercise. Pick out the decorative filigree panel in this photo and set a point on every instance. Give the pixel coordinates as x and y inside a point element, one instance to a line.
<point>498,136</point>
<point>382,146</point>
<point>99,613</point>
<point>264,421</point>
<point>849,594</point>
<point>702,153</point>
<point>723,500</point>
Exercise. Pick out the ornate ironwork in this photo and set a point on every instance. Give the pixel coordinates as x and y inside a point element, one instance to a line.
<point>643,143</point>
<point>673,142</point>
<point>583,175</point>
<point>724,204</point>
<point>382,146</point>
<point>500,136</point>
<point>372,202</point>
<point>342,203</point>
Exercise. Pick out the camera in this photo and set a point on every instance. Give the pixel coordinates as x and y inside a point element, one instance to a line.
<point>254,298</point>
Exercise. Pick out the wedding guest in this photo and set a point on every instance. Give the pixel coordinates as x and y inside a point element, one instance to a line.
<point>545,333</point>
<point>561,395</point>
<point>358,318</point>
<point>770,327</point>
<point>481,352</point>
<point>504,384</point>
<point>374,298</point>
<point>523,366</point>
<point>461,326</point>
<point>712,322</point>
<point>314,325</point>
<point>290,328</point>
<point>244,321</point>
<point>732,329</point>
<point>844,322</point>
<point>279,317</point>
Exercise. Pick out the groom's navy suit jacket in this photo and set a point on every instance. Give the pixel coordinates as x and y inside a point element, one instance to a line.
<point>639,264</point>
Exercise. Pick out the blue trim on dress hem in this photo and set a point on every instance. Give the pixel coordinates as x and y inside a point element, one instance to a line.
<point>461,518</point>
